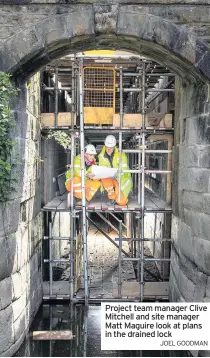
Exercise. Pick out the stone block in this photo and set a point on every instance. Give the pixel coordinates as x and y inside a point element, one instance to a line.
<point>35,296</point>
<point>189,156</point>
<point>25,44</point>
<point>9,217</point>
<point>37,229</point>
<point>197,130</point>
<point>25,276</point>
<point>28,167</point>
<point>14,347</point>
<point>198,222</point>
<point>106,18</point>
<point>146,26</point>
<point>174,293</point>
<point>186,45</point>
<point>204,157</point>
<point>200,252</point>
<point>14,251</point>
<point>194,179</point>
<point>195,249</point>
<point>194,201</point>
<point>196,96</point>
<point>27,210</point>
<point>54,30</point>
<point>16,286</point>
<point>5,293</point>
<point>7,60</point>
<point>18,306</point>
<point>25,235</point>
<point>3,259</point>
<point>183,282</point>
<point>6,329</point>
<point>208,287</point>
<point>20,325</point>
<point>203,65</point>
<point>187,272</point>
<point>33,264</point>
<point>21,128</point>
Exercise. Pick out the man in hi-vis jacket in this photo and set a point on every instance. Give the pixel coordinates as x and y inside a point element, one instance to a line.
<point>91,184</point>
<point>109,157</point>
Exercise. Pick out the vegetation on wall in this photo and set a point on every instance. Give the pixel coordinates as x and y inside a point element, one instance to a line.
<point>7,157</point>
<point>61,138</point>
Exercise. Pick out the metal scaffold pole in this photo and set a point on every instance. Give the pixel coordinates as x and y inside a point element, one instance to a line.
<point>120,133</point>
<point>50,258</point>
<point>142,185</point>
<point>82,142</point>
<point>120,261</point>
<point>72,209</point>
<point>56,97</point>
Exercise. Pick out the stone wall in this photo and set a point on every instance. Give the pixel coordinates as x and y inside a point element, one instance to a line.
<point>190,258</point>
<point>21,229</point>
<point>24,14</point>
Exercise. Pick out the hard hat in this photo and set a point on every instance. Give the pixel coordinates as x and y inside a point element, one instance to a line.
<point>110,141</point>
<point>90,149</point>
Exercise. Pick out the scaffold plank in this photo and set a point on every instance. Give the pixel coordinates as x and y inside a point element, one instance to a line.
<point>152,204</point>
<point>52,335</point>
<point>151,289</point>
<point>130,121</point>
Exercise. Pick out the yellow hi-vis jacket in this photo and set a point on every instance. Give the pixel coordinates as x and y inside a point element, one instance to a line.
<point>126,180</point>
<point>78,169</point>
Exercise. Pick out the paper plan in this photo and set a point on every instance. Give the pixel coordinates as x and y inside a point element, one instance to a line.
<point>103,172</point>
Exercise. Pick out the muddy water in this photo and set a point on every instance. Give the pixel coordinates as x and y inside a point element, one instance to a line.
<point>85,326</point>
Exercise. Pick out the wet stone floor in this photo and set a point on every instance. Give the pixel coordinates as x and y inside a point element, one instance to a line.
<point>86,329</point>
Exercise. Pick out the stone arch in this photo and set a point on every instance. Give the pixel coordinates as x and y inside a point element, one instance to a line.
<point>129,27</point>
<point>89,27</point>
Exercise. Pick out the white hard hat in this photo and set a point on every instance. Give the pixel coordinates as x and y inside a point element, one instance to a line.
<point>90,149</point>
<point>110,141</point>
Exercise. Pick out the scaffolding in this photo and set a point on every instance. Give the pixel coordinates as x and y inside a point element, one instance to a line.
<point>132,140</point>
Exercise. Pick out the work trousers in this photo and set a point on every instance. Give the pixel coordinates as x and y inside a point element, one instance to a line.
<point>91,187</point>
<point>112,188</point>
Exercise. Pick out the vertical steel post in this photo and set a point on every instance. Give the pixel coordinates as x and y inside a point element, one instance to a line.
<point>120,134</point>
<point>51,327</point>
<point>139,247</point>
<point>120,261</point>
<point>73,96</point>
<point>142,184</point>
<point>140,105</point>
<point>134,235</point>
<point>131,162</point>
<point>121,98</point>
<point>72,211</point>
<point>85,332</point>
<point>139,175</point>
<point>56,97</point>
<point>82,141</point>
<point>50,258</point>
